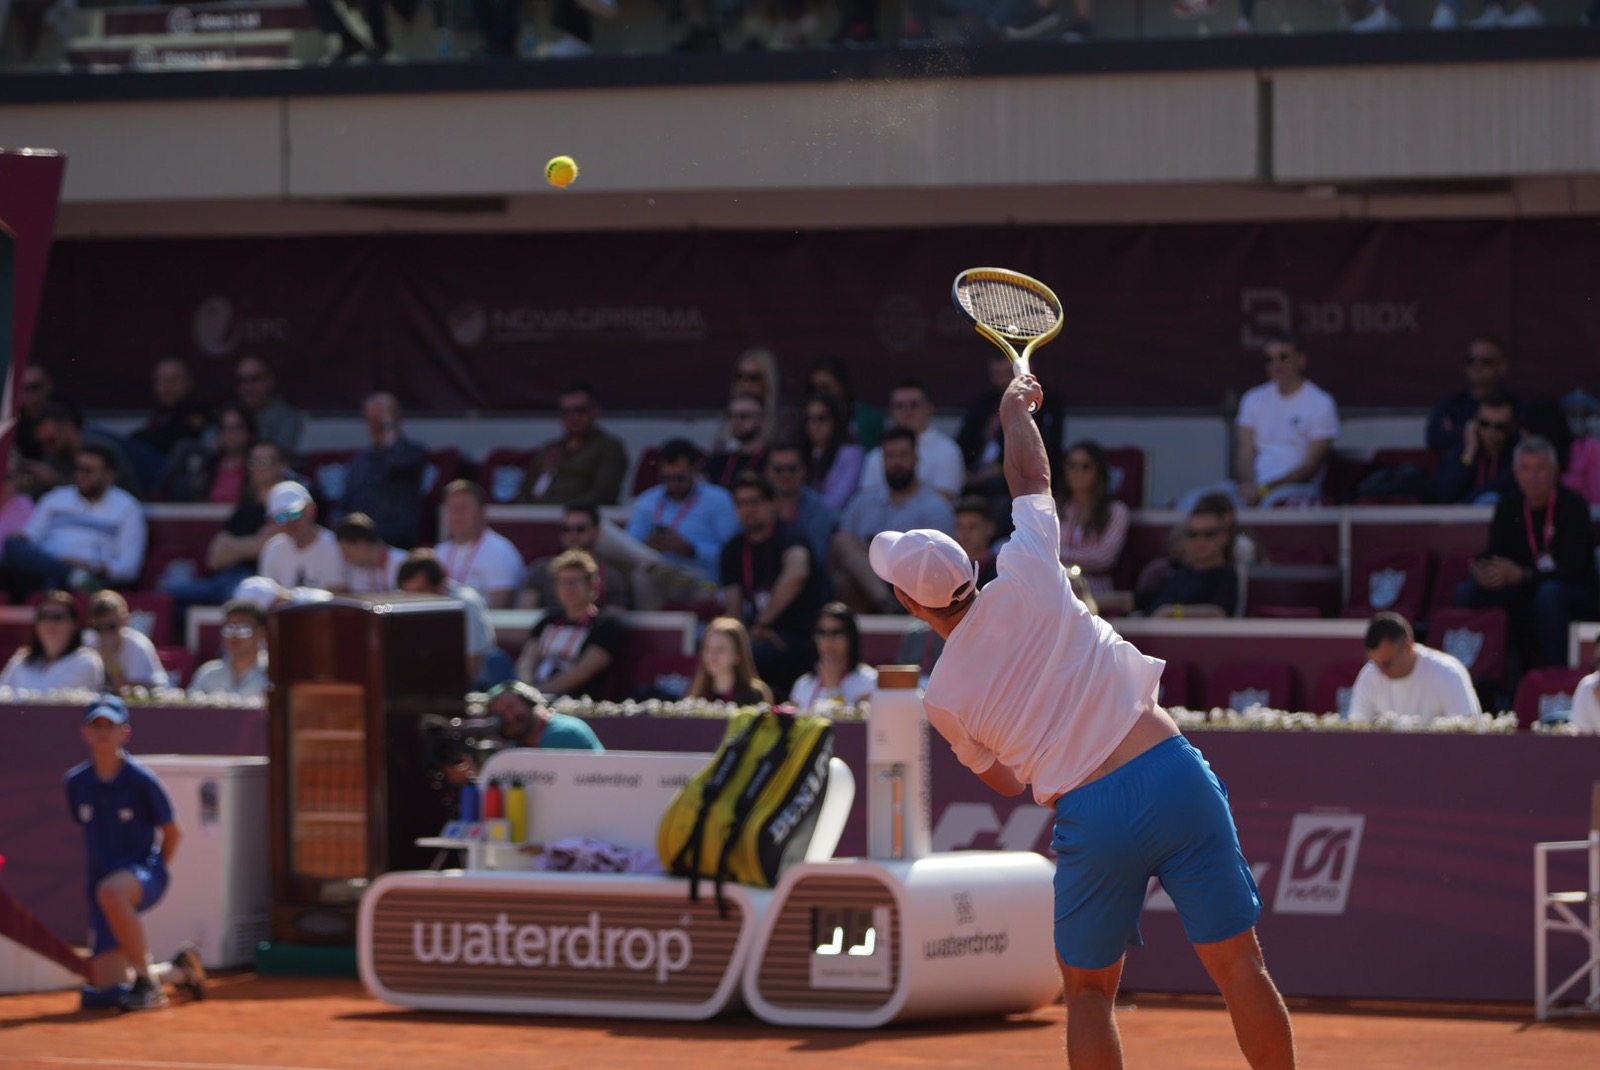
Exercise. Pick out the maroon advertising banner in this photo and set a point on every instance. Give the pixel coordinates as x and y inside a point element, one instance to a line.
<point>30,186</point>
<point>1391,866</point>
<point>1157,316</point>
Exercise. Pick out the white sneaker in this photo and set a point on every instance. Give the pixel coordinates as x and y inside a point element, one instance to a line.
<point>1524,16</point>
<point>1493,16</point>
<point>1444,18</point>
<point>1379,20</point>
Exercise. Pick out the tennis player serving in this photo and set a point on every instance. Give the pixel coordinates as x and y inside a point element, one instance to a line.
<point>1034,690</point>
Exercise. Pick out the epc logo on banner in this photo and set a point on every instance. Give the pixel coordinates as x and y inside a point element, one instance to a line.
<point>1319,863</point>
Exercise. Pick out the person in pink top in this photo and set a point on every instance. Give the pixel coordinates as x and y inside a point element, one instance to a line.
<point>16,508</point>
<point>1094,525</point>
<point>1033,690</point>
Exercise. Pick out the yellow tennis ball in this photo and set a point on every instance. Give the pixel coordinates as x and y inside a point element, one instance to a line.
<point>561,171</point>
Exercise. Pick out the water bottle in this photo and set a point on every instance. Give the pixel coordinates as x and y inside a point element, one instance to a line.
<point>493,801</point>
<point>469,801</point>
<point>517,811</point>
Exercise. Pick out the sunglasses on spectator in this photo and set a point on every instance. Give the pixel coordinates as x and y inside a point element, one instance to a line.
<point>104,626</point>
<point>906,403</point>
<point>288,516</point>
<point>830,633</point>
<point>818,417</point>
<point>1202,533</point>
<point>1080,466</point>
<point>739,414</point>
<point>1494,425</point>
<point>32,387</point>
<point>1275,358</point>
<point>262,462</point>
<point>238,631</point>
<point>753,376</point>
<point>577,529</point>
<point>87,469</point>
<point>53,614</point>
<point>574,410</point>
<point>784,469</point>
<point>1481,359</point>
<point>251,377</point>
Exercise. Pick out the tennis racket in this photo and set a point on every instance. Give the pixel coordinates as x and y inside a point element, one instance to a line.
<point>1008,308</point>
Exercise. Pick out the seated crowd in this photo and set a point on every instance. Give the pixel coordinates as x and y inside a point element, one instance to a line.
<point>765,528</point>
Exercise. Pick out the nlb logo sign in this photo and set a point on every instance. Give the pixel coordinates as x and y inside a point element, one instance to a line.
<point>663,952</point>
<point>1319,863</point>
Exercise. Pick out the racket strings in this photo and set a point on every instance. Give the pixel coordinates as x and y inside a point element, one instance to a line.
<point>1009,308</point>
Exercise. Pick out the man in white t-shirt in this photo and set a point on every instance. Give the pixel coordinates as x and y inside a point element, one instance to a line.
<point>475,554</point>
<point>1405,678</point>
<point>940,464</point>
<point>129,656</point>
<point>1286,427</point>
<point>1034,690</point>
<point>303,553</point>
<point>371,566</point>
<point>1586,701</point>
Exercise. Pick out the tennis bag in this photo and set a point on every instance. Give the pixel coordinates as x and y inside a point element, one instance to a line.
<point>751,813</point>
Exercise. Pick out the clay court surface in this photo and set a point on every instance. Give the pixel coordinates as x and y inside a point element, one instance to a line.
<point>252,1023</point>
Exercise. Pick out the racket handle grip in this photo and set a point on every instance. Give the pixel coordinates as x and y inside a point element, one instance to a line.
<point>1019,368</point>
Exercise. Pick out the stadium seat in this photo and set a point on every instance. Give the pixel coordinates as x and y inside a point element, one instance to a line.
<point>1454,567</point>
<point>444,466</point>
<point>1331,692</point>
<point>1237,685</point>
<point>1545,695</point>
<point>646,474</point>
<point>179,663</point>
<point>329,472</point>
<point>1176,684</point>
<point>151,613</point>
<point>1126,465</point>
<point>1395,581</point>
<point>1418,457</point>
<point>503,472</point>
<point>1475,637</point>
<point>648,673</point>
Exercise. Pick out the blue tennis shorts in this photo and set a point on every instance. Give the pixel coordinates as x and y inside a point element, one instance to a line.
<point>1164,814</point>
<point>153,879</point>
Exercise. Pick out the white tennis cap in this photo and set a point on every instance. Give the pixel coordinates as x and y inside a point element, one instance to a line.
<point>929,566</point>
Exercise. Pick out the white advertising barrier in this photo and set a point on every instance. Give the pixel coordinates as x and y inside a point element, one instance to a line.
<point>859,943</point>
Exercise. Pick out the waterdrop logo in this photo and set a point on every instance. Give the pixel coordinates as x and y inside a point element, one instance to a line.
<point>180,21</point>
<point>1319,863</point>
<point>219,329</point>
<point>469,324</point>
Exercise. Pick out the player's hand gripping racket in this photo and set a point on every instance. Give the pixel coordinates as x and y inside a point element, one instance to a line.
<point>1008,307</point>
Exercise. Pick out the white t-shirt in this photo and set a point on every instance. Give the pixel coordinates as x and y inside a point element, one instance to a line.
<point>380,580</point>
<point>81,668</point>
<point>1285,427</point>
<point>1439,686</point>
<point>1030,678</point>
<point>1586,705</point>
<point>318,565</point>
<point>808,693</point>
<point>136,657</point>
<point>939,464</point>
<point>491,563</point>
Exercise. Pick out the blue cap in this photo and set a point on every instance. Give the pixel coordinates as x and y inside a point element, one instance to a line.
<point>109,707</point>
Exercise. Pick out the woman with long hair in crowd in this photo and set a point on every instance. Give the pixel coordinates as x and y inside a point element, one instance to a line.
<point>755,375</point>
<point>839,675</point>
<point>831,376</point>
<point>55,657</point>
<point>727,669</point>
<point>219,469</point>
<point>832,459</point>
<point>1094,525</point>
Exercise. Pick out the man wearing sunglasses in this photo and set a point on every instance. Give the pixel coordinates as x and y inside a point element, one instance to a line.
<point>743,447</point>
<point>1481,472</point>
<point>129,656</point>
<point>1285,429</point>
<point>581,529</point>
<point>1486,369</point>
<point>85,536</point>
<point>242,668</point>
<point>303,553</point>
<point>585,463</point>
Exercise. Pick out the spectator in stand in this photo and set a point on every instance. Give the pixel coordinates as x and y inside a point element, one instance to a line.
<point>55,658</point>
<point>743,444</point>
<point>1094,525</point>
<point>1241,548</point>
<point>587,463</point>
<point>570,651</point>
<point>487,664</point>
<point>1202,582</point>
<point>526,721</point>
<point>1495,16</point>
<point>833,460</point>
<point>1539,564</point>
<point>1481,473</point>
<point>303,553</point>
<point>61,435</point>
<point>939,464</point>
<point>177,418</point>
<point>900,503</point>
<point>1583,463</point>
<point>385,480</point>
<point>839,676</point>
<point>473,553</point>
<point>16,508</point>
<point>213,469</point>
<point>232,553</point>
<point>580,530</point>
<point>242,668</point>
<point>1405,678</point>
<point>799,505</point>
<point>726,672</point>
<point>1486,370</point>
<point>1286,429</point>
<point>830,377</point>
<point>371,566</point>
<point>975,531</point>
<point>1586,701</point>
<point>686,522</point>
<point>128,655</point>
<point>755,375</point>
<point>981,440</point>
<point>276,420</point>
<point>84,536</point>
<point>35,393</point>
<point>771,584</point>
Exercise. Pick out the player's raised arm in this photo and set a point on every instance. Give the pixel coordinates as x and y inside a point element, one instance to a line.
<point>1027,463</point>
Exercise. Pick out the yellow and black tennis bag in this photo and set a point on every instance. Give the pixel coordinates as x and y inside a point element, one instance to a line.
<point>750,814</point>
